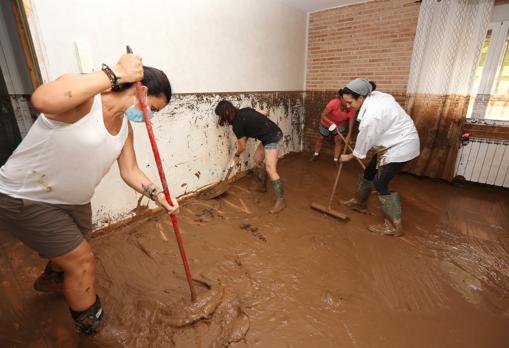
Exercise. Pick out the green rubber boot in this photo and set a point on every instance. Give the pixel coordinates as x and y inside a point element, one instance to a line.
<point>391,207</point>
<point>360,202</point>
<point>261,175</point>
<point>280,197</point>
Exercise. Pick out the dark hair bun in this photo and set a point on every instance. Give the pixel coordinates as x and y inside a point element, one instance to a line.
<point>340,92</point>
<point>372,85</point>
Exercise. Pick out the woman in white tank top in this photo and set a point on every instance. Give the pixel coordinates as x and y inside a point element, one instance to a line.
<point>47,183</point>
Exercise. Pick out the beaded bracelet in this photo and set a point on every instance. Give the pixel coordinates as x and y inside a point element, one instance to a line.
<point>111,76</point>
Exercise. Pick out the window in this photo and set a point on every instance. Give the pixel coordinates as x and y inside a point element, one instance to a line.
<point>490,88</point>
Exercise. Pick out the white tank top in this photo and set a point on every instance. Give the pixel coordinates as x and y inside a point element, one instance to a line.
<point>62,163</point>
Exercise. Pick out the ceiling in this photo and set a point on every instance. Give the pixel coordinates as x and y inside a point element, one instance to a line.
<point>317,5</point>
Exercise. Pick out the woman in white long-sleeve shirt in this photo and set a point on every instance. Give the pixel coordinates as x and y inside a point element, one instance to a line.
<point>389,130</point>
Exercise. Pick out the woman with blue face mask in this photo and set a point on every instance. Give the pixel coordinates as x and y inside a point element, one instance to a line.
<point>47,183</point>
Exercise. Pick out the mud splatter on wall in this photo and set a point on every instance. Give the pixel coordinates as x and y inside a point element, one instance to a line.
<point>190,141</point>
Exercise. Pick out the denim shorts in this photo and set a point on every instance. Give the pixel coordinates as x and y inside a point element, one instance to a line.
<point>271,146</point>
<point>325,132</point>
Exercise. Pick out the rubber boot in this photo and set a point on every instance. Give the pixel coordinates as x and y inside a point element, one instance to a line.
<point>360,202</point>
<point>50,280</point>
<point>391,207</point>
<point>95,331</point>
<point>261,175</point>
<point>280,197</point>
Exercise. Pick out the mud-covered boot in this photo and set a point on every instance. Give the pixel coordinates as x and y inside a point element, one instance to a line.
<point>360,202</point>
<point>391,207</point>
<point>95,330</point>
<point>280,197</point>
<point>50,280</point>
<point>261,175</point>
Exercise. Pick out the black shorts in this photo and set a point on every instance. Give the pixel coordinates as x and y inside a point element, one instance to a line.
<point>272,138</point>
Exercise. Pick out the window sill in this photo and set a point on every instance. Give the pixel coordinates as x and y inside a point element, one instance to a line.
<point>487,122</point>
<point>487,129</point>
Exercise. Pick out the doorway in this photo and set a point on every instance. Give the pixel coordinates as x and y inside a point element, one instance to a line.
<point>19,76</point>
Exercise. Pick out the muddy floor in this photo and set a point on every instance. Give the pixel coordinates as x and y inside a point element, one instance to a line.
<point>298,279</point>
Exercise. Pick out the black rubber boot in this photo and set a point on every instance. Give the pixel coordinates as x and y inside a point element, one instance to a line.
<point>95,331</point>
<point>90,321</point>
<point>50,280</point>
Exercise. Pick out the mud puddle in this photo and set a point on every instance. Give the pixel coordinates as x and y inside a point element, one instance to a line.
<point>297,279</point>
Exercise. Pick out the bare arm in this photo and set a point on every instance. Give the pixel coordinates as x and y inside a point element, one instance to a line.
<point>263,112</point>
<point>58,99</point>
<point>324,117</point>
<point>136,179</point>
<point>241,146</point>
<point>68,92</point>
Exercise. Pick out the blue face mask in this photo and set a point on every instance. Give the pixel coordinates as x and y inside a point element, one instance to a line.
<point>135,115</point>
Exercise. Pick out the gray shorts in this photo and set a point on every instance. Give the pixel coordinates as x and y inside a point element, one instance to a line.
<point>50,229</point>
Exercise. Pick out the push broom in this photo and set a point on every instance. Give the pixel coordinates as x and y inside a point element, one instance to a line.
<point>328,209</point>
<point>363,166</point>
<point>176,228</point>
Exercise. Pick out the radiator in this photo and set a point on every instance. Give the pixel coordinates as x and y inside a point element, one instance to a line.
<point>484,161</point>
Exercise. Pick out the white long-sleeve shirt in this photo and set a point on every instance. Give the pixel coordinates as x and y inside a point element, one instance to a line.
<point>387,128</point>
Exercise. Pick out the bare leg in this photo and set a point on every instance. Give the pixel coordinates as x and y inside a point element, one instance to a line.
<point>259,155</point>
<point>80,293</point>
<point>318,144</point>
<point>79,276</point>
<point>271,158</point>
<point>318,147</point>
<point>261,173</point>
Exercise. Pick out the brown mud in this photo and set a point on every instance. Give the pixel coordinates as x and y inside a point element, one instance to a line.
<point>296,279</point>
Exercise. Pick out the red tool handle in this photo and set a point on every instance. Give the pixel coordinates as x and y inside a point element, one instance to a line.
<point>157,157</point>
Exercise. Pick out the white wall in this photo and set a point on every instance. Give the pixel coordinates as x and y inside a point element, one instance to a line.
<point>203,46</point>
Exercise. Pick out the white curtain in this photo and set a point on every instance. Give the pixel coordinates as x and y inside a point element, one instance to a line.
<point>446,52</point>
<point>447,45</point>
